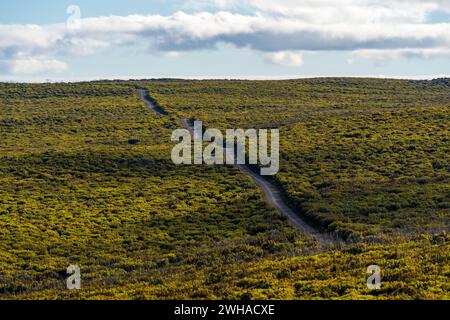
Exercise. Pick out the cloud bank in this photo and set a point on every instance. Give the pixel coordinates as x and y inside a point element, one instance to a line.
<point>282,31</point>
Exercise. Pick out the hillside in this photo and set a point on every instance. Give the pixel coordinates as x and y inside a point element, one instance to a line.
<point>86,178</point>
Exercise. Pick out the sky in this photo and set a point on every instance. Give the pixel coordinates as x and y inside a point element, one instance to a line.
<point>75,40</point>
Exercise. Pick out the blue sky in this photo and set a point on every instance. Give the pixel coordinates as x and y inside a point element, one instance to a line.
<point>51,11</point>
<point>224,39</point>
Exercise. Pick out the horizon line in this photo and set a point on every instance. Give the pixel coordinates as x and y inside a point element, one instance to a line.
<point>38,80</point>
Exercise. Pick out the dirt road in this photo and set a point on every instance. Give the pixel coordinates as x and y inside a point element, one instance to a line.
<point>271,192</point>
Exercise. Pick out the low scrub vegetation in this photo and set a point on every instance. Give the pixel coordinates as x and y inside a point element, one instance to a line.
<point>86,178</point>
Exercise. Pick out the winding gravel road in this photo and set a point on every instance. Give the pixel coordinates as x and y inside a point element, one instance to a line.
<point>272,194</point>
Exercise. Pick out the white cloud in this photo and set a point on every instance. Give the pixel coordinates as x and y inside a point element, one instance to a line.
<point>32,66</point>
<point>381,56</point>
<point>285,58</point>
<point>332,11</point>
<point>281,30</point>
